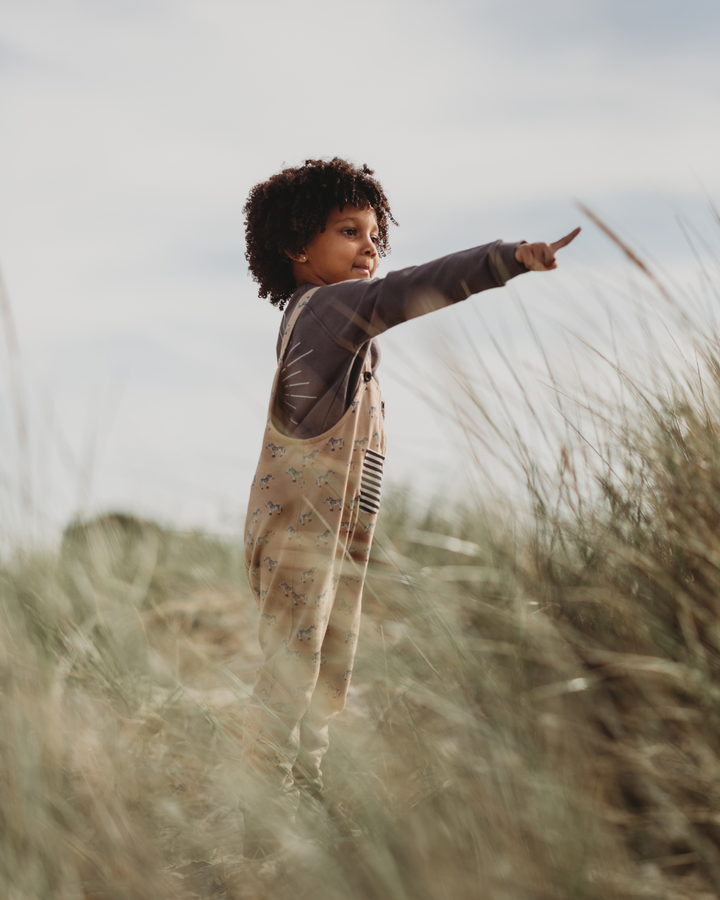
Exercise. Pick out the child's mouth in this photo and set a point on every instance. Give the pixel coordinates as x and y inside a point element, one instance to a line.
<point>363,270</point>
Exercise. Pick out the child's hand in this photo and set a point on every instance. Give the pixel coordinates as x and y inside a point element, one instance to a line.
<point>541,257</point>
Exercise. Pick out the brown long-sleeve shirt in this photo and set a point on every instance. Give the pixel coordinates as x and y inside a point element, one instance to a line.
<point>323,364</point>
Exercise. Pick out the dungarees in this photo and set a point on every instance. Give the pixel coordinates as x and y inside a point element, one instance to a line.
<point>312,510</point>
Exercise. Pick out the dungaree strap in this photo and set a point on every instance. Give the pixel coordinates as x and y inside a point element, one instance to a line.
<point>302,303</point>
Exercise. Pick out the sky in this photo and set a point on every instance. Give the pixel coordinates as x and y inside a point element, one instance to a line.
<point>132,132</point>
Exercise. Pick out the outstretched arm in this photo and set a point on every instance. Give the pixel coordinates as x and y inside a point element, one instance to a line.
<point>541,257</point>
<point>355,311</point>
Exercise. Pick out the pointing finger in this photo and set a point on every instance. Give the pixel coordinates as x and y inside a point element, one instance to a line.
<point>564,241</point>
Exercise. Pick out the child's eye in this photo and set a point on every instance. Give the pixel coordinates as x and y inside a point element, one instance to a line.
<point>375,238</point>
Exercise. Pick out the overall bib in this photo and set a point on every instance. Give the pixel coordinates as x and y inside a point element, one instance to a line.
<point>312,510</point>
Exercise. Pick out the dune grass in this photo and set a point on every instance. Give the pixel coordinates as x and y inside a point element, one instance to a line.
<point>534,710</point>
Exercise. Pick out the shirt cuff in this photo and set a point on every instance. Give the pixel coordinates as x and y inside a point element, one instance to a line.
<point>503,257</point>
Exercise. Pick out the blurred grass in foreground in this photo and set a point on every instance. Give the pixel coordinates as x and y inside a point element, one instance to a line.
<point>534,711</point>
<point>536,716</point>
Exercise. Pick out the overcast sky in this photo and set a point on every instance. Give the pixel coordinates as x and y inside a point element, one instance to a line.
<point>132,131</point>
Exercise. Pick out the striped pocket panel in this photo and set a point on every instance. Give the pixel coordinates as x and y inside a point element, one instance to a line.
<point>371,481</point>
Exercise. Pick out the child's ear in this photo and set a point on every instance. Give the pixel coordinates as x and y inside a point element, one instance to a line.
<point>296,257</point>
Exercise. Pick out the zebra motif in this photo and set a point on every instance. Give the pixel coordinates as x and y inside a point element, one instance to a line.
<point>323,537</point>
<point>306,688</point>
<point>319,657</point>
<point>306,632</point>
<point>274,449</point>
<point>362,443</point>
<point>290,654</point>
<point>322,479</point>
<point>336,442</point>
<point>273,507</point>
<point>306,517</point>
<point>256,514</point>
<point>272,563</point>
<point>311,456</point>
<point>319,598</point>
<point>296,473</point>
<point>308,575</point>
<point>330,687</point>
<point>264,538</point>
<point>268,618</point>
<point>286,587</point>
<point>298,597</point>
<point>333,502</point>
<point>372,411</point>
<point>350,636</point>
<point>265,482</point>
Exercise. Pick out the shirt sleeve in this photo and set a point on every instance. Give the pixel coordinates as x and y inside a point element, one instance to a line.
<point>354,312</point>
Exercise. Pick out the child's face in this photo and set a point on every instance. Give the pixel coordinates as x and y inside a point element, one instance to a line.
<point>346,249</point>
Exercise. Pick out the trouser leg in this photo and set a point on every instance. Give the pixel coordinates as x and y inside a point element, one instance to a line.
<point>292,630</point>
<point>281,696</point>
<point>337,656</point>
<point>328,699</point>
<point>309,641</point>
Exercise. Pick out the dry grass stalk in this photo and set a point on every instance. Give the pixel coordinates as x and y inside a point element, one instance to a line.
<point>534,712</point>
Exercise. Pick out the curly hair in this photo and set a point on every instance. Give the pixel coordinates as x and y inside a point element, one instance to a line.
<point>284,212</point>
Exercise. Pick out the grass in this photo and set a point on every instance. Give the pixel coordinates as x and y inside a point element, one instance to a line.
<point>534,711</point>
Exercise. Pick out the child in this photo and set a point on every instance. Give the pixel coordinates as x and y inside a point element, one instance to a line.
<point>315,234</point>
